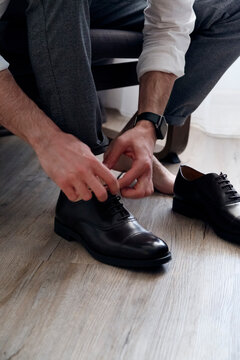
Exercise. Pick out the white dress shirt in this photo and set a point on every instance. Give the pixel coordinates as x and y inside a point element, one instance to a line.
<point>3,5</point>
<point>167,29</point>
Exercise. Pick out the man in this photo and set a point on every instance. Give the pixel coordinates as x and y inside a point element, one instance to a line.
<point>47,45</point>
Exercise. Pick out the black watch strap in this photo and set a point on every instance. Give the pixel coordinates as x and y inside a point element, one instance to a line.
<point>159,122</point>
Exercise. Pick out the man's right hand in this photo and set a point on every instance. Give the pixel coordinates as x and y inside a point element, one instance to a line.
<point>66,160</point>
<point>73,167</point>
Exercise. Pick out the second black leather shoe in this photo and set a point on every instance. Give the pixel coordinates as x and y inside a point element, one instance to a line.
<point>109,232</point>
<point>209,197</point>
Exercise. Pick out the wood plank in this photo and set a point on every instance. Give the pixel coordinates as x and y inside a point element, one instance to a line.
<point>56,302</point>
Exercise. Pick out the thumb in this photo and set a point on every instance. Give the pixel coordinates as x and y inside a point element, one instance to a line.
<point>112,155</point>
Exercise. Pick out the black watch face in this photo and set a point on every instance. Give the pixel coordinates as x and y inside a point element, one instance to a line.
<point>162,128</point>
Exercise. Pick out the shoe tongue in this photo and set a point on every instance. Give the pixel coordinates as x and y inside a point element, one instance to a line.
<point>210,177</point>
<point>213,175</point>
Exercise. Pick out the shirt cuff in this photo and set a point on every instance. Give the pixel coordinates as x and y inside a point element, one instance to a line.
<point>3,64</point>
<point>161,59</point>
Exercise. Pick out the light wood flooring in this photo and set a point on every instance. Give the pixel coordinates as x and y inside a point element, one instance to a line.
<point>57,303</point>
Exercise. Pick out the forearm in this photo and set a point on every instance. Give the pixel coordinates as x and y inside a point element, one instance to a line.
<point>20,115</point>
<point>66,160</point>
<point>155,90</point>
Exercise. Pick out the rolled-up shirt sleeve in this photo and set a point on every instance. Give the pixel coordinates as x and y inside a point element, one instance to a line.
<point>167,28</point>
<point>3,6</point>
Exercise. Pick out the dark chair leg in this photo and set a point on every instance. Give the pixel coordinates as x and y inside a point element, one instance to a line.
<point>177,139</point>
<point>129,125</point>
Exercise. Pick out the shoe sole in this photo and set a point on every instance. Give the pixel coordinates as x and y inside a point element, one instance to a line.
<point>186,209</point>
<point>71,235</point>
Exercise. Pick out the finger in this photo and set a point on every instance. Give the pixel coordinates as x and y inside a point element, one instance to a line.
<point>143,188</point>
<point>115,150</point>
<point>70,192</point>
<point>82,191</point>
<point>98,189</point>
<point>134,173</point>
<point>108,178</point>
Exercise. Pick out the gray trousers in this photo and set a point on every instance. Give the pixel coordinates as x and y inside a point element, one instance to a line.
<point>60,52</point>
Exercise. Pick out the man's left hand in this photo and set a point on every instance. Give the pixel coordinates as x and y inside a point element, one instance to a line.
<point>138,144</point>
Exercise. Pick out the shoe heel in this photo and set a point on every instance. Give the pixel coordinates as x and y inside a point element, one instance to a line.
<point>62,231</point>
<point>184,208</point>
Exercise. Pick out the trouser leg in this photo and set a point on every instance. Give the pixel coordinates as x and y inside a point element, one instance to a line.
<point>60,54</point>
<point>118,14</point>
<point>214,47</point>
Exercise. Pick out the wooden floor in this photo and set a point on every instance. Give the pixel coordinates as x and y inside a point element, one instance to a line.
<point>58,303</point>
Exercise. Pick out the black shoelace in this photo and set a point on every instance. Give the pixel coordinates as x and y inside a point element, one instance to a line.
<point>115,206</point>
<point>225,184</point>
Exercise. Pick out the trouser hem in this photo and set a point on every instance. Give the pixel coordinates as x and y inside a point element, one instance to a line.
<point>176,120</point>
<point>100,149</point>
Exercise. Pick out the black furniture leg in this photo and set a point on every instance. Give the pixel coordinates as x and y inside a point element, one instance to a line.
<point>177,139</point>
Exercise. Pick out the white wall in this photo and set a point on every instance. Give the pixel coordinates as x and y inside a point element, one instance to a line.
<point>219,114</point>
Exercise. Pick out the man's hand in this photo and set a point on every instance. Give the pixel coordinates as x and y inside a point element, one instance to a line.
<point>68,162</point>
<point>138,144</point>
<point>72,166</point>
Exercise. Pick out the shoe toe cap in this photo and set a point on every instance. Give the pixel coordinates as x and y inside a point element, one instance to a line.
<point>146,245</point>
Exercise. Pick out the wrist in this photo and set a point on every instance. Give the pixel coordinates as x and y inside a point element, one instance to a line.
<point>42,133</point>
<point>41,141</point>
<point>147,128</point>
<point>157,120</point>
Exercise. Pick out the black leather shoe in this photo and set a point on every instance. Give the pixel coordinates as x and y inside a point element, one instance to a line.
<point>109,232</point>
<point>209,197</point>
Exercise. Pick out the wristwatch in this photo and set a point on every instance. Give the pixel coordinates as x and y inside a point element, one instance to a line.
<point>159,122</point>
